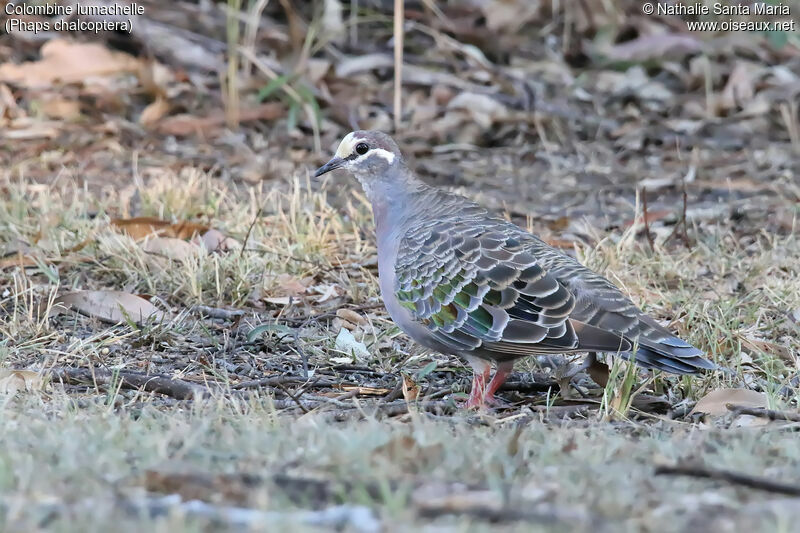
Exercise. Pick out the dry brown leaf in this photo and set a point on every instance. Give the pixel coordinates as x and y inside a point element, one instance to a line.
<point>740,88</point>
<point>280,300</point>
<point>154,112</point>
<point>405,450</point>
<point>215,241</point>
<point>509,15</point>
<point>366,391</point>
<point>351,316</point>
<point>599,372</point>
<point>61,108</point>
<point>28,128</point>
<point>140,227</point>
<point>17,260</point>
<point>715,402</point>
<point>443,499</point>
<point>762,346</point>
<point>108,306</point>
<point>12,381</point>
<point>65,61</point>
<point>182,125</point>
<point>288,285</point>
<point>662,45</point>
<point>170,247</point>
<point>482,108</point>
<point>410,389</point>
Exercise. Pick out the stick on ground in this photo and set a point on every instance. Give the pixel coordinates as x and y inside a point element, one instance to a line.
<point>175,388</point>
<point>728,476</point>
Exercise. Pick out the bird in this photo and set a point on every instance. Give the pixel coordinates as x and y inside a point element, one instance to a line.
<point>461,281</point>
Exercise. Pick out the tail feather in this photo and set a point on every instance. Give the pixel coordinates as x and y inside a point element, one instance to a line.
<point>670,355</point>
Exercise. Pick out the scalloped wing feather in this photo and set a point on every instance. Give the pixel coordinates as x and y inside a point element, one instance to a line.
<point>483,285</point>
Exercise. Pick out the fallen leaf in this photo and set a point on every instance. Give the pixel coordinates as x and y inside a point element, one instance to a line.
<point>715,402</point>
<point>288,285</point>
<point>140,227</point>
<point>170,247</point>
<point>280,300</point>
<point>352,317</point>
<point>215,241</point>
<point>435,500</point>
<point>60,108</point>
<point>410,389</point>
<point>327,292</point>
<point>17,260</point>
<point>366,391</point>
<point>762,346</point>
<point>154,112</point>
<point>406,451</point>
<point>346,343</point>
<point>12,381</point>
<point>65,61</point>
<point>183,125</point>
<point>657,46</point>
<point>509,15</point>
<point>109,306</point>
<point>740,88</point>
<point>482,108</point>
<point>599,372</point>
<point>333,21</point>
<point>348,66</point>
<point>275,329</point>
<point>27,128</point>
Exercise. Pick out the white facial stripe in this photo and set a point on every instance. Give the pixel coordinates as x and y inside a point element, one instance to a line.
<point>347,146</point>
<point>377,152</point>
<point>380,152</point>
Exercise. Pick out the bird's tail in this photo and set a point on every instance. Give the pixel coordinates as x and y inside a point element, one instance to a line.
<point>670,354</point>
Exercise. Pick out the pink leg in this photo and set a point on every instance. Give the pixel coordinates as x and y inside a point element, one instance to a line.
<point>500,376</point>
<point>480,373</point>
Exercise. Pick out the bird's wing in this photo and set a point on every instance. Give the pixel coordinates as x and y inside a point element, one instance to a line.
<point>477,284</point>
<point>602,305</point>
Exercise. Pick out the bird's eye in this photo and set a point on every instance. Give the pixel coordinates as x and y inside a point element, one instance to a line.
<point>362,148</point>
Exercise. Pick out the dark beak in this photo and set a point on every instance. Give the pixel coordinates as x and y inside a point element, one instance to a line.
<point>333,164</point>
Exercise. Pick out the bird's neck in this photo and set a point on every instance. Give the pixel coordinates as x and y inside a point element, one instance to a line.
<point>393,201</point>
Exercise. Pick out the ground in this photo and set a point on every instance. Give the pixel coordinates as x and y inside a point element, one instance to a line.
<point>244,371</point>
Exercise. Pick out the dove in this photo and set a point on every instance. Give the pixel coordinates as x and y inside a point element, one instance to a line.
<point>462,281</point>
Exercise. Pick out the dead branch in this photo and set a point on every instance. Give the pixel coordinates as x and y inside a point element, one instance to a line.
<point>647,221</point>
<point>276,381</point>
<point>217,312</point>
<point>728,476</point>
<point>131,380</point>
<point>763,413</point>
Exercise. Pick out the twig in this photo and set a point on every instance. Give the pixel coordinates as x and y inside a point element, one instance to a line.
<point>736,478</point>
<point>330,314</point>
<point>529,386</point>
<point>646,221</point>
<point>294,398</point>
<point>217,312</point>
<point>685,234</point>
<point>763,413</point>
<point>175,388</point>
<point>275,381</point>
<point>398,63</point>
<point>249,230</point>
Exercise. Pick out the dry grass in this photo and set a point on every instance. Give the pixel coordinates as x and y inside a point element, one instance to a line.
<point>731,295</point>
<point>288,426</point>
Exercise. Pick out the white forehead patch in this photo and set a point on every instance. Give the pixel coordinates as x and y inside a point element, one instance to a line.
<point>348,144</point>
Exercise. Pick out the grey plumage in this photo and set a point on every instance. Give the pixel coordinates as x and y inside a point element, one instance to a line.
<point>461,281</point>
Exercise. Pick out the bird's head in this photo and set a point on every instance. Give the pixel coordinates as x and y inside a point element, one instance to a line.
<point>366,154</point>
